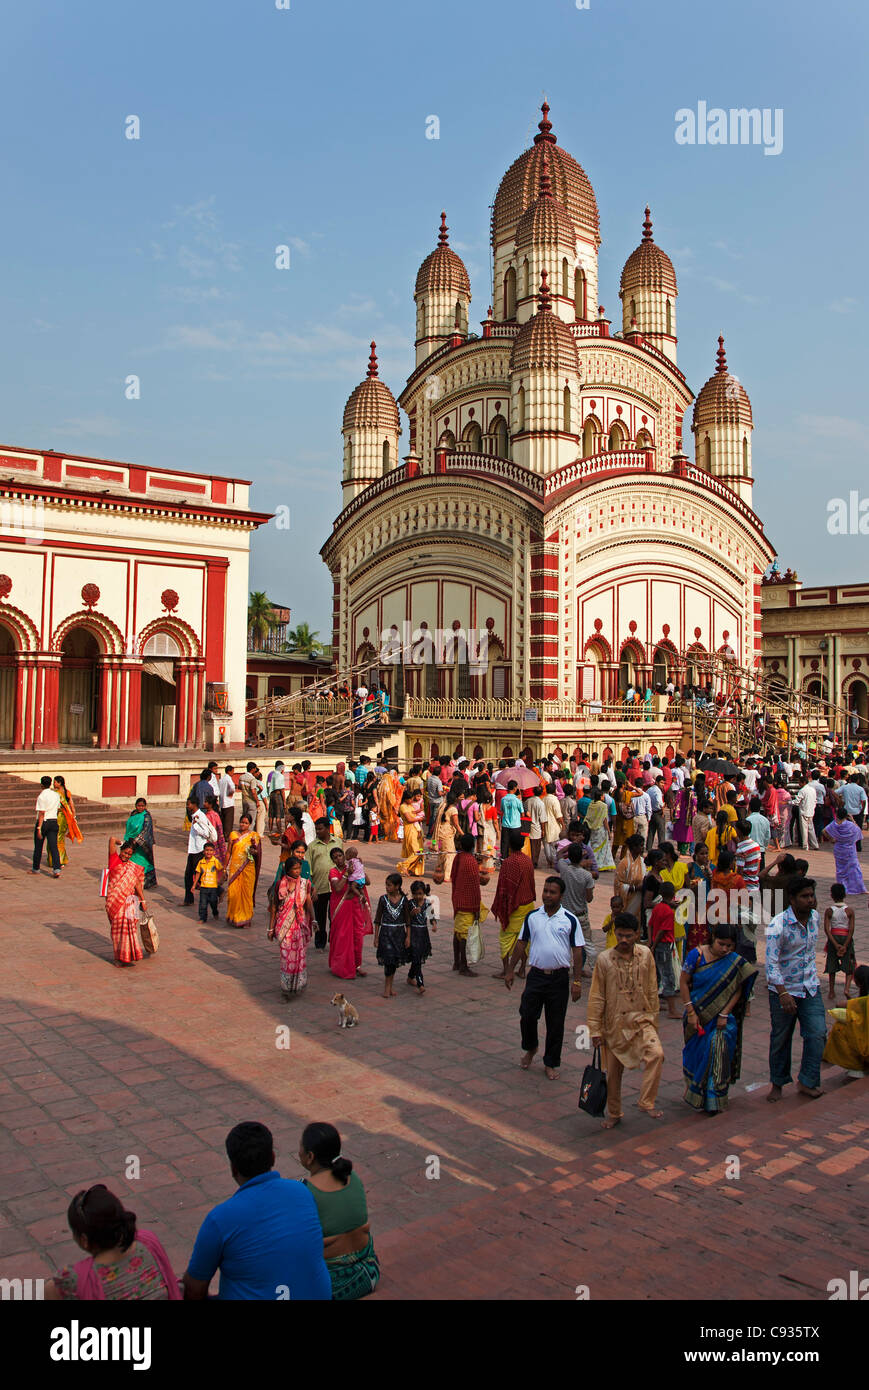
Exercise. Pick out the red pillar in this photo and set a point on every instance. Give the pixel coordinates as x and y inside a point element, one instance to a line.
<point>116,707</point>
<point>18,725</point>
<point>192,695</point>
<point>215,617</point>
<point>180,703</point>
<point>49,702</point>
<point>134,706</point>
<point>198,703</point>
<point>104,677</point>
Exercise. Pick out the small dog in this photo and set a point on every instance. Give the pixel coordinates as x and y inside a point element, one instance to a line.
<point>348,1017</point>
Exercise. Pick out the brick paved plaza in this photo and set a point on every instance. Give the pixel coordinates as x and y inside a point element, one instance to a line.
<point>533,1198</point>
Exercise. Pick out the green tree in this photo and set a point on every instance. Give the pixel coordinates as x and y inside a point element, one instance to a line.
<point>301,639</point>
<point>260,620</point>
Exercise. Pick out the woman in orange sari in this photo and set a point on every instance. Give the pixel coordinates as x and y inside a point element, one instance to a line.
<point>67,825</point>
<point>389,795</point>
<point>123,895</point>
<point>412,816</point>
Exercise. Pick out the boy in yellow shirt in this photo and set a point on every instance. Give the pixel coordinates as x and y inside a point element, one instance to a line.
<point>209,874</point>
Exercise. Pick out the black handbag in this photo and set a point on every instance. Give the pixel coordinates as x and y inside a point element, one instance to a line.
<point>592,1090</point>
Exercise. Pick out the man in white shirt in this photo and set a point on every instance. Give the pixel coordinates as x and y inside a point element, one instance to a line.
<point>202,832</point>
<point>227,801</point>
<point>277,797</point>
<point>749,772</point>
<point>657,822</point>
<point>552,939</point>
<point>538,814</point>
<point>45,829</point>
<point>214,779</point>
<point>805,801</point>
<point>642,811</point>
<point>554,826</point>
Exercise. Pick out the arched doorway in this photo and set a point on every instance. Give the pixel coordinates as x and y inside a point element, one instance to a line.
<point>8,667</point>
<point>629,669</point>
<point>78,713</point>
<point>858,706</point>
<point>159,691</point>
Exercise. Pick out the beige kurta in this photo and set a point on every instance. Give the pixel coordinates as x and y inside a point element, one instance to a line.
<point>623,1005</point>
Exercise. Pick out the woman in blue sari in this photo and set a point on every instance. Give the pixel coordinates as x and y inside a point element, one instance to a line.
<point>714,986</point>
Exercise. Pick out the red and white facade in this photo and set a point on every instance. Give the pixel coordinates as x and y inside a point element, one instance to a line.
<point>545,495</point>
<point>123,604</point>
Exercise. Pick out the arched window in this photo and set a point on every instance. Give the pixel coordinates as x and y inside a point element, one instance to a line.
<point>520,408</point>
<point>161,644</point>
<point>420,319</point>
<point>525,279</point>
<point>644,440</point>
<point>707,454</point>
<point>567,422</point>
<point>669,319</point>
<point>659,667</point>
<point>590,431</point>
<point>579,294</point>
<point>744,456</point>
<point>472,435</point>
<point>510,294</point>
<point>348,458</point>
<point>499,436</point>
<point>565,278</point>
<point>460,321</point>
<point>633,308</point>
<point>617,437</point>
<point>385,453</point>
<point>447,441</point>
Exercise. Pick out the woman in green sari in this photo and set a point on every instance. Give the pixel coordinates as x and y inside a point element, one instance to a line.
<point>348,1247</point>
<point>140,829</point>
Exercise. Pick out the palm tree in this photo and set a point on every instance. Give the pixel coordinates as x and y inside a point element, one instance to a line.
<point>301,639</point>
<point>260,620</point>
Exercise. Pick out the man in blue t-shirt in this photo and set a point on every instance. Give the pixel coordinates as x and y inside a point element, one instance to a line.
<point>266,1240</point>
<point>510,812</point>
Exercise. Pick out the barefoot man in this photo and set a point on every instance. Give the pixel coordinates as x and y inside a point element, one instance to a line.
<point>795,991</point>
<point>552,939</point>
<point>623,1017</point>
<point>515,896</point>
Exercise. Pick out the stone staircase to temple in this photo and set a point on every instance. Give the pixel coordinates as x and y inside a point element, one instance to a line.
<point>18,810</point>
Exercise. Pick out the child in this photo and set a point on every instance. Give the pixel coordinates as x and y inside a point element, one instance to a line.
<point>373,823</point>
<point>420,941</point>
<point>662,929</point>
<point>839,930</point>
<point>358,822</point>
<point>392,932</point>
<point>609,921</point>
<point>209,874</point>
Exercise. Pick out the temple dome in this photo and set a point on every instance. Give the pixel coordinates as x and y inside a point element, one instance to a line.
<point>648,267</point>
<point>723,400</point>
<point>520,186</point>
<point>546,222</point>
<point>545,341</point>
<point>372,404</point>
<point>442,269</point>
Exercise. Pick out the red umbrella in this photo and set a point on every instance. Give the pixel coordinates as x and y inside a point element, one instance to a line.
<point>526,778</point>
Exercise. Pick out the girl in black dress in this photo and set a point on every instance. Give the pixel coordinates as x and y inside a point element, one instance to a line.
<point>392,932</point>
<point>420,941</point>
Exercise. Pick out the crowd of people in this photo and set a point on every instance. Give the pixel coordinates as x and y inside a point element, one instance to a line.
<point>671,832</point>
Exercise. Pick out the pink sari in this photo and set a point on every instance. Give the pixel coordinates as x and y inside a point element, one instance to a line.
<point>122,907</point>
<point>90,1286</point>
<point>349,924</point>
<point>293,933</point>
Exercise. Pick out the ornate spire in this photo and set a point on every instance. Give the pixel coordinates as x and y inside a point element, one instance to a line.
<point>722,360</point>
<point>545,128</point>
<point>545,181</point>
<point>544,299</point>
<point>443,239</point>
<point>372,362</point>
<point>647,225</point>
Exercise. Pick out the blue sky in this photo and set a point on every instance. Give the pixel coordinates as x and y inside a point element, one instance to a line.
<point>307,126</point>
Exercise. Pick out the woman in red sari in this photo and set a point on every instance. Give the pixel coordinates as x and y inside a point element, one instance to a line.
<point>350,920</point>
<point>124,893</point>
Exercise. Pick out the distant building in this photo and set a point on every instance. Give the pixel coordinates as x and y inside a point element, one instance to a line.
<point>123,597</point>
<point>817,640</point>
